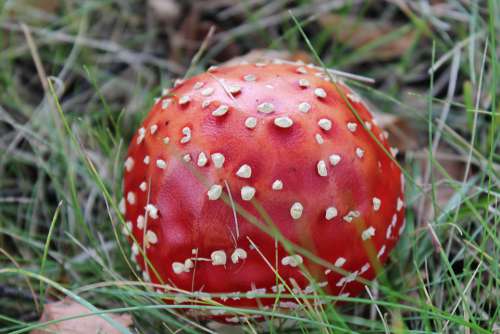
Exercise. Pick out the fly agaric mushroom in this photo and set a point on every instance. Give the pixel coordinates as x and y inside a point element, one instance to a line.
<point>280,137</point>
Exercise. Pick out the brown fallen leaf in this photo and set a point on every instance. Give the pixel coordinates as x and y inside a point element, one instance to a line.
<point>86,325</point>
<point>356,33</point>
<point>401,134</point>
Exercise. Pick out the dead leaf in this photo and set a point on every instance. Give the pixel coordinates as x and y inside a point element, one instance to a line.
<point>401,134</point>
<point>358,32</point>
<point>86,325</point>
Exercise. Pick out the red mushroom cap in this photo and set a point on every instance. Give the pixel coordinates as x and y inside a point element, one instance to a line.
<point>242,140</point>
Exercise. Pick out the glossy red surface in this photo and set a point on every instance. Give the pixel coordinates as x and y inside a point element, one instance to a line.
<point>188,221</point>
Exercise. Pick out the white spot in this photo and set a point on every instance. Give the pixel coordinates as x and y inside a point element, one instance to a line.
<point>178,267</point>
<point>360,152</point>
<point>368,233</point>
<point>325,124</point>
<point>304,83</point>
<point>186,131</point>
<point>220,111</point>
<point>278,288</point>
<point>388,232</point>
<point>218,159</point>
<point>364,268</point>
<point>165,103</point>
<point>245,171</point>
<point>251,122</point>
<point>292,260</point>
<point>202,159</point>
<point>143,186</point>
<point>146,160</point>
<point>277,185</point>
<point>184,99</point>
<point>399,204</point>
<point>140,222</point>
<point>127,228</point>
<point>234,89</point>
<point>376,203</point>
<point>212,68</point>
<point>321,167</point>
<point>205,104</point>
<point>394,220</point>
<point>320,92</point>
<point>322,284</point>
<point>265,108</point>
<point>249,77</point>
<point>186,157</point>
<point>153,128</point>
<point>151,237</point>
<point>283,122</point>
<point>142,134</point>
<point>353,97</point>
<point>198,85</point>
<point>351,126</point>
<point>166,140</point>
<point>351,215</point>
<point>394,151</point>
<point>301,70</point>
<point>207,91</point>
<point>152,211</point>
<point>135,250</point>
<point>260,64</point>
<point>340,262</point>
<point>289,305</point>
<point>247,193</point>
<point>121,206</point>
<point>188,264</point>
<point>131,198</point>
<point>296,210</point>
<point>304,107</point>
<point>381,251</point>
<point>178,82</point>
<point>319,138</point>
<point>161,164</point>
<point>254,292</point>
<point>334,159</point>
<point>214,192</point>
<point>331,212</point>
<point>218,258</point>
<point>238,254</point>
<point>368,125</point>
<point>129,164</point>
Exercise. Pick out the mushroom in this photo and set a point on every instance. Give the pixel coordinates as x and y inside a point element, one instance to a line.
<point>282,136</point>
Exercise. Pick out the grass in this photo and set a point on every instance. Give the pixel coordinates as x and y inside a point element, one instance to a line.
<point>77,79</point>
